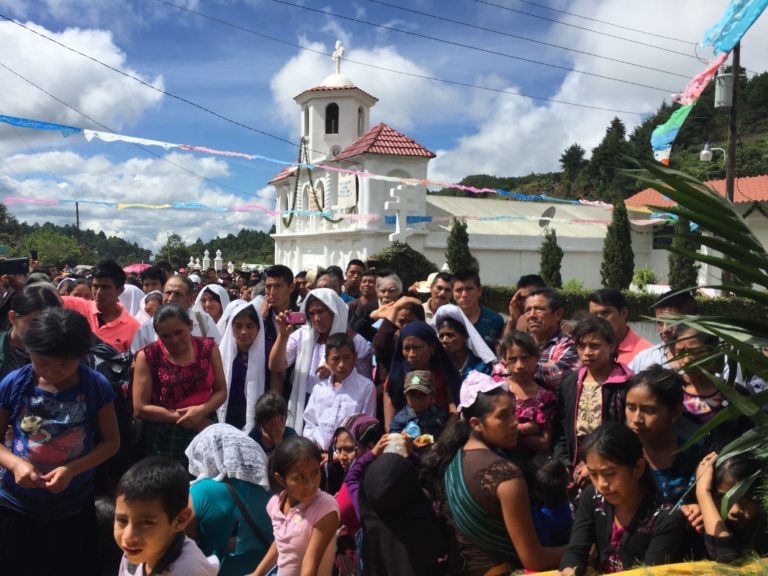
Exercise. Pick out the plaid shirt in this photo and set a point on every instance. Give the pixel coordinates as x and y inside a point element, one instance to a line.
<point>558,358</point>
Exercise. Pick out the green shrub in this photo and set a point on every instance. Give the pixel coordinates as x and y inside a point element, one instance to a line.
<point>573,285</point>
<point>644,276</point>
<point>409,264</point>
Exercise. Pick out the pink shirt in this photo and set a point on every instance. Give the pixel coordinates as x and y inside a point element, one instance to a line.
<point>118,333</point>
<point>293,531</point>
<point>631,346</point>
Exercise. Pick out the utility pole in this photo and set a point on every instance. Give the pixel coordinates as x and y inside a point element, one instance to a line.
<point>77,222</point>
<point>730,158</point>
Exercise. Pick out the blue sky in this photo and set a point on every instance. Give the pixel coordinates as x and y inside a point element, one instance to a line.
<point>252,80</point>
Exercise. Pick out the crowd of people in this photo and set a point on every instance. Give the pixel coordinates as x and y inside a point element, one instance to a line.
<point>337,422</point>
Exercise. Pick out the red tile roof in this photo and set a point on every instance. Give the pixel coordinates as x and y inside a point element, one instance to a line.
<point>748,189</point>
<point>329,88</point>
<point>283,174</point>
<point>381,139</point>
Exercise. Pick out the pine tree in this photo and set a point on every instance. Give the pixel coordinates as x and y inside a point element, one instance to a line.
<point>618,259</point>
<point>457,254</point>
<point>604,171</point>
<point>572,162</point>
<point>683,271</point>
<point>551,259</point>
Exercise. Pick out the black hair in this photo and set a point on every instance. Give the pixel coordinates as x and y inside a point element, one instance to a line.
<point>683,302</point>
<point>608,297</point>
<point>109,269</point>
<point>735,469</point>
<point>594,325</point>
<point>153,296</point>
<point>169,311</point>
<point>34,298</point>
<point>292,451</point>
<point>685,332</point>
<point>302,274</point>
<point>280,271</point>
<point>133,281</point>
<point>616,442</point>
<point>339,340</point>
<point>153,273</point>
<point>520,339</point>
<point>269,405</point>
<point>212,293</point>
<point>311,299</point>
<point>59,333</point>
<point>548,480</point>
<point>453,324</point>
<point>369,272</point>
<point>531,280</point>
<point>336,271</point>
<point>466,275</point>
<point>356,262</point>
<point>164,265</point>
<point>416,309</point>
<point>248,312</point>
<point>444,276</point>
<point>552,296</point>
<point>156,478</point>
<point>81,282</point>
<point>666,385</point>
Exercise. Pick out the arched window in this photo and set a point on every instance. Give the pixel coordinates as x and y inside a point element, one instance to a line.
<point>332,118</point>
<point>360,121</point>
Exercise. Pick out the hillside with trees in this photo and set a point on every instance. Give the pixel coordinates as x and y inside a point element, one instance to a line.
<point>602,177</point>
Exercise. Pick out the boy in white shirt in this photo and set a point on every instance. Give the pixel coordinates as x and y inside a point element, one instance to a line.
<point>343,393</point>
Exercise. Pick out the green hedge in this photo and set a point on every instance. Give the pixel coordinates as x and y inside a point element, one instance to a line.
<point>498,297</point>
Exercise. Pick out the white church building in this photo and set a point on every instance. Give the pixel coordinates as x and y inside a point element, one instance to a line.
<point>505,236</point>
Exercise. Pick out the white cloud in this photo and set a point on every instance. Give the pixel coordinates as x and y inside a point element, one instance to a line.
<point>134,181</point>
<point>403,100</point>
<point>518,136</point>
<point>104,95</point>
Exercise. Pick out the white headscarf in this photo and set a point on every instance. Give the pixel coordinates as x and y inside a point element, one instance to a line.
<point>131,298</point>
<point>475,342</point>
<point>309,337</point>
<point>217,289</point>
<point>222,451</point>
<point>142,315</point>
<point>255,375</point>
<point>221,325</point>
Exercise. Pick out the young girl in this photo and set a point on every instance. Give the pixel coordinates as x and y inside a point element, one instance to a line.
<point>621,513</point>
<point>242,355</point>
<point>62,425</point>
<point>591,396</point>
<point>535,406</point>
<point>744,529</point>
<point>304,519</point>
<point>270,430</point>
<point>654,406</point>
<point>548,481</point>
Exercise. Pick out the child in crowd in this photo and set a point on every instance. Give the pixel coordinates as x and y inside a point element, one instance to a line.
<point>535,406</point>
<point>343,393</point>
<point>430,418</point>
<point>62,425</point>
<point>270,430</point>
<point>620,513</point>
<point>152,302</point>
<point>743,531</point>
<point>654,406</point>
<point>304,518</point>
<point>548,481</point>
<point>151,513</point>
<point>591,396</point>
<point>354,437</point>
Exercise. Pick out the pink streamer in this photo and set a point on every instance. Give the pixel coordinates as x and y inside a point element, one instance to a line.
<point>217,152</point>
<point>248,207</point>
<point>11,200</point>
<point>696,86</point>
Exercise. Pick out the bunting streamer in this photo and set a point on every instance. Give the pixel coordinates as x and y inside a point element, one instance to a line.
<point>664,135</point>
<point>737,19</point>
<point>699,82</point>
<point>91,135</point>
<point>388,220</point>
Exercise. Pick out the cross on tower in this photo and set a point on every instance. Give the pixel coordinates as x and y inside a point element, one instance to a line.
<point>400,206</point>
<point>337,54</point>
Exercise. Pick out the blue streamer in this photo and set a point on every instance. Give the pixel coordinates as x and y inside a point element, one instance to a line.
<point>197,206</point>
<point>737,19</point>
<point>36,125</point>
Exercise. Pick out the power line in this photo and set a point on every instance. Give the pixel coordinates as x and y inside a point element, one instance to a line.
<point>37,156</point>
<point>606,22</point>
<point>470,47</point>
<point>97,123</point>
<point>400,72</point>
<point>555,21</point>
<point>526,39</point>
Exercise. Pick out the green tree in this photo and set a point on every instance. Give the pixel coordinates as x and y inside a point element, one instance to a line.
<point>604,171</point>
<point>618,259</point>
<point>572,162</point>
<point>174,251</point>
<point>56,248</point>
<point>683,270</point>
<point>409,264</point>
<point>457,254</point>
<point>551,259</point>
<point>9,227</point>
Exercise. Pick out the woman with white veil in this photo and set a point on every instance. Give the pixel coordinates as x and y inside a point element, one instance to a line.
<point>304,349</point>
<point>212,299</point>
<point>461,340</point>
<point>243,358</point>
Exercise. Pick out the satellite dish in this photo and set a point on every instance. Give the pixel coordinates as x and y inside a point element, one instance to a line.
<point>547,216</point>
